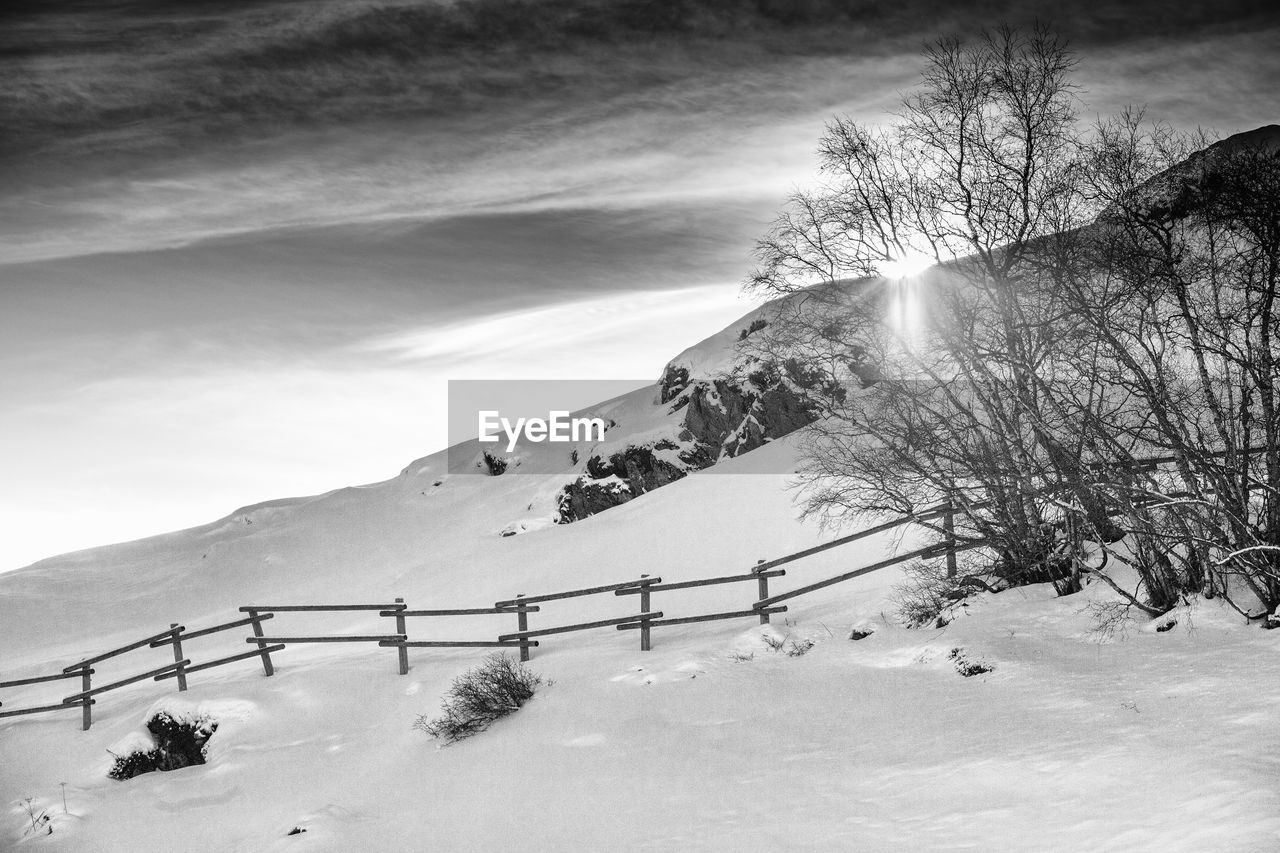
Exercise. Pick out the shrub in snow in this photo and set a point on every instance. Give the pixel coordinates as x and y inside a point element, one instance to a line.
<point>40,820</point>
<point>496,688</point>
<point>966,667</point>
<point>927,596</point>
<point>795,649</point>
<point>785,645</point>
<point>179,742</point>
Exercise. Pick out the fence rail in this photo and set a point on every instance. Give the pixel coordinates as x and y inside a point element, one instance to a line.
<point>709,617</point>
<point>40,679</point>
<point>919,553</point>
<point>462,611</point>
<point>460,644</point>
<point>575,593</point>
<point>85,694</point>
<point>581,626</point>
<point>119,651</point>
<point>219,662</point>
<point>43,708</point>
<point>663,587</point>
<point>319,608</point>
<point>168,638</point>
<point>340,638</point>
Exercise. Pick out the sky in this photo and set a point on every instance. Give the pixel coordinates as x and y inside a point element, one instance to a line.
<point>244,246</point>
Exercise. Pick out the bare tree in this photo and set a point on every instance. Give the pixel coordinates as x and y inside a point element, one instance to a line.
<point>1180,301</point>
<point>1098,299</point>
<point>977,174</point>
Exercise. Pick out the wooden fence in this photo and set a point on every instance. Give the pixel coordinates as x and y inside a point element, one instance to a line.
<point>520,607</point>
<point>765,604</point>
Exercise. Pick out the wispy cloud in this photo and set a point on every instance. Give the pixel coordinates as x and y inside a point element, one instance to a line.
<point>531,344</point>
<point>716,141</point>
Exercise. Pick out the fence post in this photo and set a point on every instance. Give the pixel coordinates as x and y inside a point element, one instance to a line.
<point>402,649</point>
<point>763,583</point>
<point>86,714</point>
<point>267,668</point>
<point>949,525</point>
<point>522,622</point>
<point>177,655</point>
<point>644,623</point>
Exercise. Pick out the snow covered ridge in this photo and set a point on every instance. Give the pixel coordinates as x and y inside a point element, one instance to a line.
<point>717,401</point>
<point>1172,192</point>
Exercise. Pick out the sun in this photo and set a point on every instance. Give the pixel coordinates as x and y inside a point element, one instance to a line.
<point>906,266</point>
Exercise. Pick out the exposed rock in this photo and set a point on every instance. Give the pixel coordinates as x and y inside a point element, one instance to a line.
<point>178,743</point>
<point>496,464</point>
<point>617,479</point>
<point>756,325</point>
<point>675,378</point>
<point>583,498</point>
<point>722,417</point>
<point>733,419</point>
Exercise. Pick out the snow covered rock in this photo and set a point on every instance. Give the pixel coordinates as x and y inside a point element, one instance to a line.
<point>177,741</point>
<point>721,402</point>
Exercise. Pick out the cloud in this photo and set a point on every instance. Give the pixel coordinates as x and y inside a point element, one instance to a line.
<point>532,343</point>
<point>746,138</point>
<point>198,125</point>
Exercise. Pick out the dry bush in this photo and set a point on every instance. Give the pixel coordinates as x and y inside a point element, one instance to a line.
<point>927,596</point>
<point>497,687</point>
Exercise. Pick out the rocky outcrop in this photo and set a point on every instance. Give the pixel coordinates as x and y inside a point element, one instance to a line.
<point>731,417</point>
<point>617,479</point>
<point>179,742</point>
<point>721,417</point>
<point>675,379</point>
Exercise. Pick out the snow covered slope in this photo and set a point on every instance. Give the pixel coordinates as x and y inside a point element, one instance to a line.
<point>405,535</point>
<point>1073,740</point>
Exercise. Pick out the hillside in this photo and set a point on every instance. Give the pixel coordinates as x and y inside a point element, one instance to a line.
<point>1141,737</point>
<point>397,532</point>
